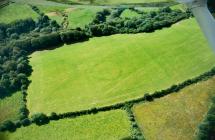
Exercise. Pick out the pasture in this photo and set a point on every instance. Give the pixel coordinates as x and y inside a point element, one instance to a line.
<point>16,11</point>
<point>178,115</point>
<point>129,14</point>
<point>107,125</point>
<point>82,16</point>
<point>77,16</point>
<point>111,2</point>
<point>112,69</point>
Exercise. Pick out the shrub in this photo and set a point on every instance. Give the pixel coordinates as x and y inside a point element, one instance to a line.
<point>54,116</point>
<point>148,97</point>
<point>25,122</point>
<point>40,119</point>
<point>73,36</point>
<point>17,124</point>
<point>8,126</point>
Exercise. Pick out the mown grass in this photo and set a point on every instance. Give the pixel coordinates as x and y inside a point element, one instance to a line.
<point>15,12</point>
<point>9,107</point>
<point>108,70</point>
<point>112,125</point>
<point>178,115</point>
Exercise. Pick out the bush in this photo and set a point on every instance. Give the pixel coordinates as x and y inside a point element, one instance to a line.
<point>8,126</point>
<point>24,111</point>
<point>54,116</point>
<point>25,122</point>
<point>73,36</point>
<point>17,124</point>
<point>40,119</point>
<point>148,97</point>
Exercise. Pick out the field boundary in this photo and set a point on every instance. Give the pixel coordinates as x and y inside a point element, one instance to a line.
<point>123,105</point>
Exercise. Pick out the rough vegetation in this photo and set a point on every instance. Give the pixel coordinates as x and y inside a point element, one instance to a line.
<point>178,115</point>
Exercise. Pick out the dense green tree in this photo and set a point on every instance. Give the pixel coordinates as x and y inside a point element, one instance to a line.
<point>8,126</point>
<point>40,119</point>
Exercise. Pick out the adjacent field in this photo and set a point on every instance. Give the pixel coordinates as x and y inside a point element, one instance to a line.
<point>108,70</point>
<point>178,115</point>
<point>54,12</point>
<point>77,16</point>
<point>114,1</point>
<point>82,16</point>
<point>9,107</point>
<point>129,14</point>
<point>12,12</point>
<point>113,125</point>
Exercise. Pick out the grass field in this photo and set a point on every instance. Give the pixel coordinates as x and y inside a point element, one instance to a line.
<point>9,107</point>
<point>129,14</point>
<point>15,12</point>
<point>107,70</point>
<point>113,125</point>
<point>176,116</point>
<point>54,12</point>
<point>115,1</point>
<point>82,16</point>
<point>77,16</point>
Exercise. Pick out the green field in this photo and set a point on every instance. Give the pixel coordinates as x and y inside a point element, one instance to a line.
<point>48,9</point>
<point>15,12</point>
<point>108,70</point>
<point>113,125</point>
<point>114,1</point>
<point>178,115</point>
<point>129,14</point>
<point>82,16</point>
<point>54,12</point>
<point>9,107</point>
<point>77,16</point>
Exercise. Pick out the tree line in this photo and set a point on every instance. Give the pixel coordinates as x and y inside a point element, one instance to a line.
<point>25,28</point>
<point>147,22</point>
<point>14,63</point>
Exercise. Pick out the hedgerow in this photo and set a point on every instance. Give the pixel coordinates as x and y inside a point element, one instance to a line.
<point>136,133</point>
<point>207,127</point>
